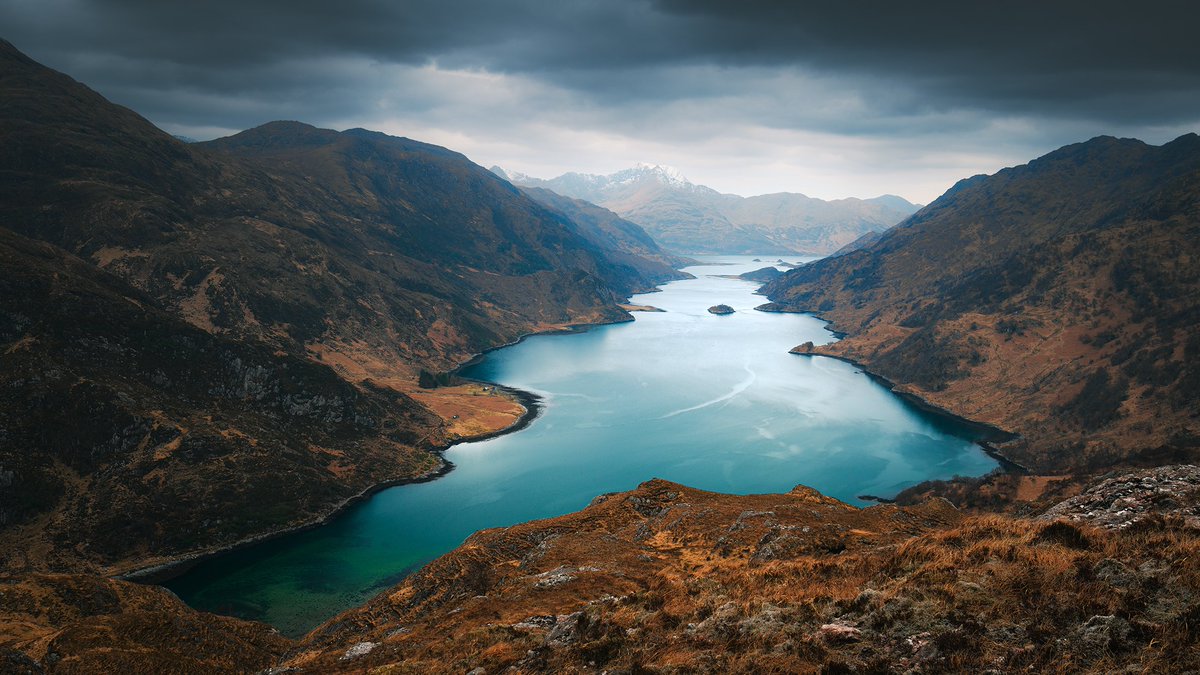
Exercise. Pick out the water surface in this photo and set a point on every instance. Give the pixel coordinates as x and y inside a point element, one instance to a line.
<point>714,402</point>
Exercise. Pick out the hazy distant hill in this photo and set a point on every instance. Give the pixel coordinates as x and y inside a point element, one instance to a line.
<point>693,218</point>
<point>195,338</point>
<point>611,232</point>
<point>1056,299</point>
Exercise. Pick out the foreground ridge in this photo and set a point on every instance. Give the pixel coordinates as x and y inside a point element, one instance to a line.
<point>670,579</point>
<point>667,578</point>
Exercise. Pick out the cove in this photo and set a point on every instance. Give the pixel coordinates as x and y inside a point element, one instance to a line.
<point>714,402</point>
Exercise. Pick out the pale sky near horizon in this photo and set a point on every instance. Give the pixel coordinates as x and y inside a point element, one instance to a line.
<point>849,99</point>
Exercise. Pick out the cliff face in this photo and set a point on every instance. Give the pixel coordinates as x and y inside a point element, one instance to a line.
<point>200,343</point>
<point>670,579</point>
<point>1055,300</point>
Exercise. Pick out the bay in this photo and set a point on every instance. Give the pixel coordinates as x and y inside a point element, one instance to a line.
<point>714,402</point>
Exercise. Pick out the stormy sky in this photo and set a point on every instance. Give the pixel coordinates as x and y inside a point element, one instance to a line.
<point>833,99</point>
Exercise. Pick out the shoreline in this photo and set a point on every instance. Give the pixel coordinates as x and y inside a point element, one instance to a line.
<point>989,433</point>
<point>165,571</point>
<point>160,572</point>
<point>532,403</point>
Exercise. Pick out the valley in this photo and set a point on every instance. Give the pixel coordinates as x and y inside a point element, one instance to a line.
<point>712,402</point>
<point>297,399</point>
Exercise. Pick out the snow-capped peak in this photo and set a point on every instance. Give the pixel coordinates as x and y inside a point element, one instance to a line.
<point>665,174</point>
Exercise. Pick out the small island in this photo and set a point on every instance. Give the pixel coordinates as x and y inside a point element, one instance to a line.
<point>720,309</point>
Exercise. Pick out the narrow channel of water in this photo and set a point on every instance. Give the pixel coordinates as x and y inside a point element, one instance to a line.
<point>715,402</point>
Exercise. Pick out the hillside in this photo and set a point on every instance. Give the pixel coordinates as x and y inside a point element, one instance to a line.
<point>667,579</point>
<point>130,434</point>
<point>691,218</point>
<point>61,623</point>
<point>205,342</point>
<point>1056,300</point>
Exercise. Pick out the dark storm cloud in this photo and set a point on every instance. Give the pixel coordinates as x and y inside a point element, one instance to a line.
<point>500,77</point>
<point>1094,59</point>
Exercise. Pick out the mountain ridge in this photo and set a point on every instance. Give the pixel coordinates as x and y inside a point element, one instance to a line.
<point>692,218</point>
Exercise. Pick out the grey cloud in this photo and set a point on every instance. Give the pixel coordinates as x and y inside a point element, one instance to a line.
<point>1006,75</point>
<point>1097,60</point>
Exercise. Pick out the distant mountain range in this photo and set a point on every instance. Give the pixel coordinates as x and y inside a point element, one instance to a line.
<point>690,218</point>
<point>1057,300</point>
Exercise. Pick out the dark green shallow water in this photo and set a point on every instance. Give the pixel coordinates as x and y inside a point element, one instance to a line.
<point>715,402</point>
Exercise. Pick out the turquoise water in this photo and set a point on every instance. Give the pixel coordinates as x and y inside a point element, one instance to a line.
<point>715,402</point>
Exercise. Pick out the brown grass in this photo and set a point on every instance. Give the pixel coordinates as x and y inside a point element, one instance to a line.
<point>470,410</point>
<point>687,589</point>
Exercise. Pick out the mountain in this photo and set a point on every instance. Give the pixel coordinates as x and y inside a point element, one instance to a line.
<point>608,231</point>
<point>1056,300</point>
<point>201,343</point>
<point>693,218</point>
<point>130,434</point>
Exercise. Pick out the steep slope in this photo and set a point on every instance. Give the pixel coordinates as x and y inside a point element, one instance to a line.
<point>1055,299</point>
<point>696,219</point>
<point>667,579</point>
<point>130,435</point>
<point>207,342</point>
<point>297,236</point>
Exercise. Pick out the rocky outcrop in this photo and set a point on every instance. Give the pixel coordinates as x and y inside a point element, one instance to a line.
<point>1128,499</point>
<point>720,309</point>
<point>666,578</point>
